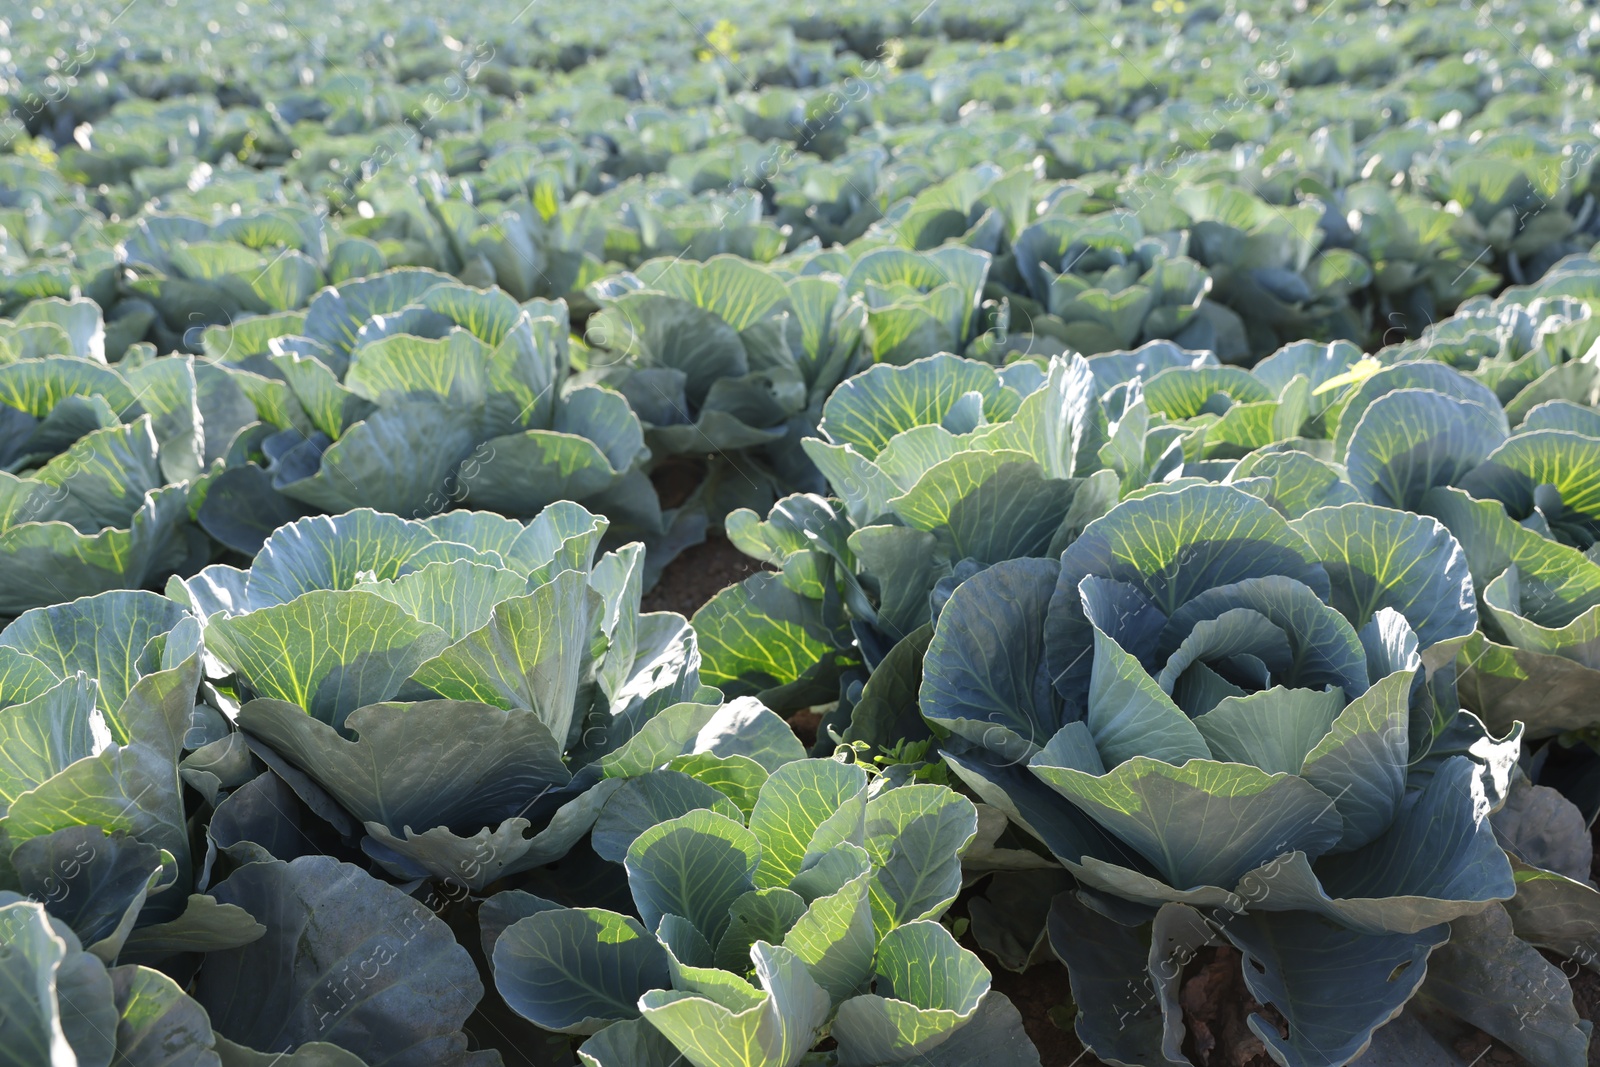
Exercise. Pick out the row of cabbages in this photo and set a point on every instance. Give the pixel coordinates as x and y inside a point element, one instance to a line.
<point>1210,260</point>
<point>1355,173</point>
<point>353,802</point>
<point>1299,660</point>
<point>1101,590</point>
<point>1158,630</point>
<point>946,466</point>
<point>1213,657</point>
<point>411,392</point>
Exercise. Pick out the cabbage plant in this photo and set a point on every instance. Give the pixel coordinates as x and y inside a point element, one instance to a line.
<point>70,1007</point>
<point>940,467</point>
<point>653,216</point>
<point>1420,269</point>
<point>73,1006</point>
<point>982,207</point>
<point>1114,286</point>
<point>99,462</point>
<point>186,273</point>
<point>104,894</point>
<point>1219,721</point>
<point>1533,658</point>
<point>413,394</point>
<point>726,362</point>
<point>800,905</point>
<point>1517,201</point>
<point>920,303</point>
<point>937,469</point>
<point>1321,424</point>
<point>1511,482</point>
<point>228,781</point>
<point>702,351</point>
<point>1513,345</point>
<point>1262,258</point>
<point>97,697</point>
<point>355,643</point>
<point>99,516</point>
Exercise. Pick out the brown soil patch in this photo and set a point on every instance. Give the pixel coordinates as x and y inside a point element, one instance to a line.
<point>1216,1005</point>
<point>805,724</point>
<point>1043,997</point>
<point>1586,998</point>
<point>675,479</point>
<point>698,574</point>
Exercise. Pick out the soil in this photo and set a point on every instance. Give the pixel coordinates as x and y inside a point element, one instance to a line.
<point>1045,1001</point>
<point>1481,1050</point>
<point>676,479</point>
<point>1042,996</point>
<point>1586,998</point>
<point>805,724</point>
<point>1216,1005</point>
<point>1585,993</point>
<point>698,574</point>
<point>700,571</point>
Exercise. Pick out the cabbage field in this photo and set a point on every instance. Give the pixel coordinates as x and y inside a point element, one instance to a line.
<point>706,533</point>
